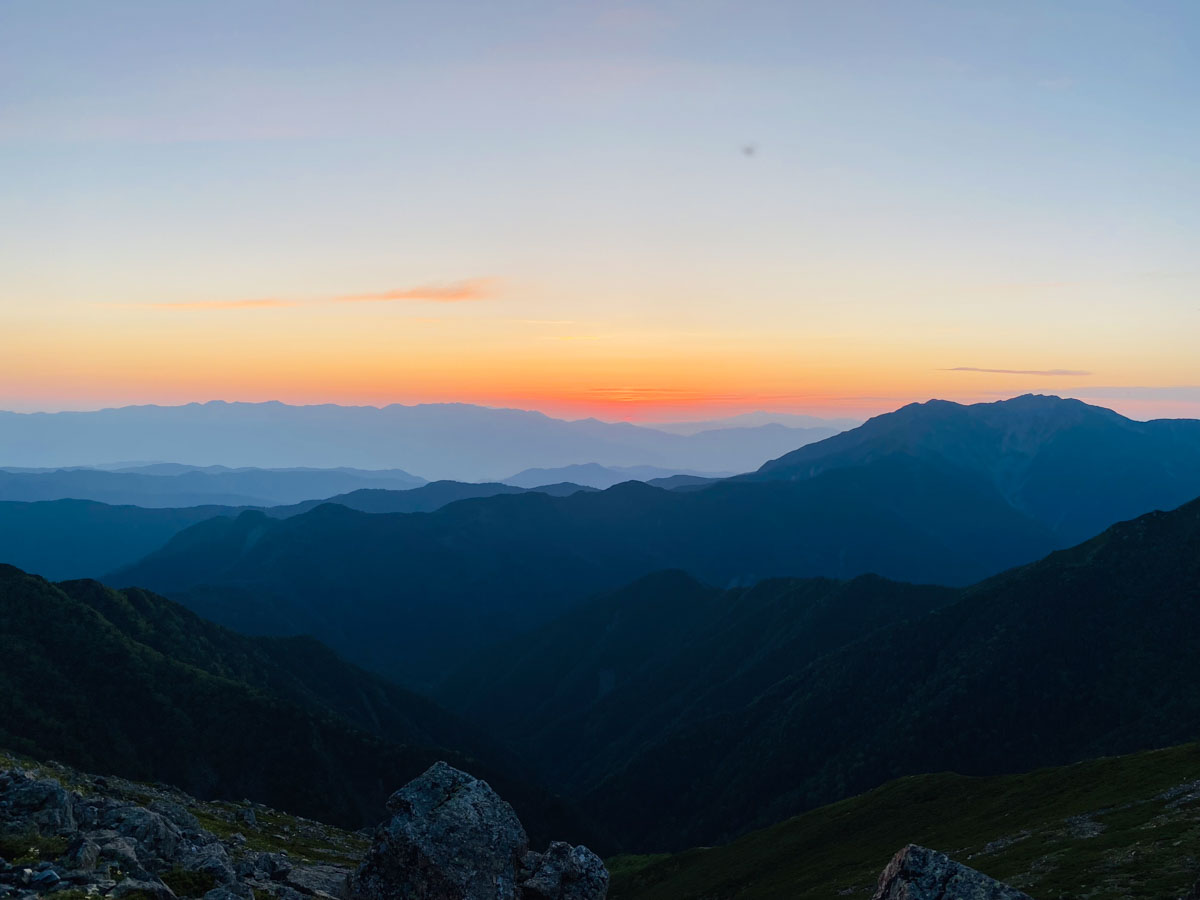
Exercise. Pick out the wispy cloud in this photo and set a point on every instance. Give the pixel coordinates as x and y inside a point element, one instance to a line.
<point>454,292</point>
<point>473,289</point>
<point>1047,372</point>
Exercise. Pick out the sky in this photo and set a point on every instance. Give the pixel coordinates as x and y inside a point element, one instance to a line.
<point>632,210</point>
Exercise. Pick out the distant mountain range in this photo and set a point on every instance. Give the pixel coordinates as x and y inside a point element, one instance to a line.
<point>427,498</point>
<point>755,420</point>
<point>597,476</point>
<point>171,485</point>
<point>926,494</point>
<point>130,683</point>
<point>436,441</point>
<point>81,538</point>
<point>410,595</point>
<point>686,715</point>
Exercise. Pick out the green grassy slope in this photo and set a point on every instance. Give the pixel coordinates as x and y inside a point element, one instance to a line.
<point>1125,827</point>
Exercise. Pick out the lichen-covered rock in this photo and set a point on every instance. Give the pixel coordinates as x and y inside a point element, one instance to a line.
<point>917,873</point>
<point>566,873</point>
<point>451,837</point>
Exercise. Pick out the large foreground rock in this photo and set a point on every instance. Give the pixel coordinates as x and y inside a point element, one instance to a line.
<point>917,873</point>
<point>451,837</point>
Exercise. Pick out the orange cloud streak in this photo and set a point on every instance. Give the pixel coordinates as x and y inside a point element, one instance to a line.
<point>455,292</point>
<point>473,289</point>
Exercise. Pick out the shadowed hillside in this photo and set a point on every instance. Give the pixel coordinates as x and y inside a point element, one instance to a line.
<point>1087,652</point>
<point>130,683</point>
<point>412,595</point>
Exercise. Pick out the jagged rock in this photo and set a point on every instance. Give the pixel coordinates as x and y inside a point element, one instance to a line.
<point>566,873</point>
<point>211,859</point>
<point>451,837</point>
<point>119,851</point>
<point>42,803</point>
<point>178,816</point>
<point>83,853</point>
<point>156,838</point>
<point>917,873</point>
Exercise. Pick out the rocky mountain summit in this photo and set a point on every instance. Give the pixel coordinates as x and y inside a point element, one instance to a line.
<point>917,873</point>
<point>68,836</point>
<point>452,838</point>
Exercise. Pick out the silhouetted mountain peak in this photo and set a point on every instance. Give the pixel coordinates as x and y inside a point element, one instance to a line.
<point>1074,466</point>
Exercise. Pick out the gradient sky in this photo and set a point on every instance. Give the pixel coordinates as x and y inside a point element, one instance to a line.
<point>630,210</point>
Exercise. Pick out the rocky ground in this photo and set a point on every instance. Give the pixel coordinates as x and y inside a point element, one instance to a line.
<point>68,835</point>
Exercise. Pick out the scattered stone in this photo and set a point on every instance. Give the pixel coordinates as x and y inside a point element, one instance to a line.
<point>917,873</point>
<point>125,841</point>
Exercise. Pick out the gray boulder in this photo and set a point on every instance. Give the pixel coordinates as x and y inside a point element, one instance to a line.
<point>917,873</point>
<point>566,873</point>
<point>451,837</point>
<point>40,803</point>
<point>211,859</point>
<point>264,866</point>
<point>156,837</point>
<point>178,816</point>
<point>83,854</point>
<point>118,851</point>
